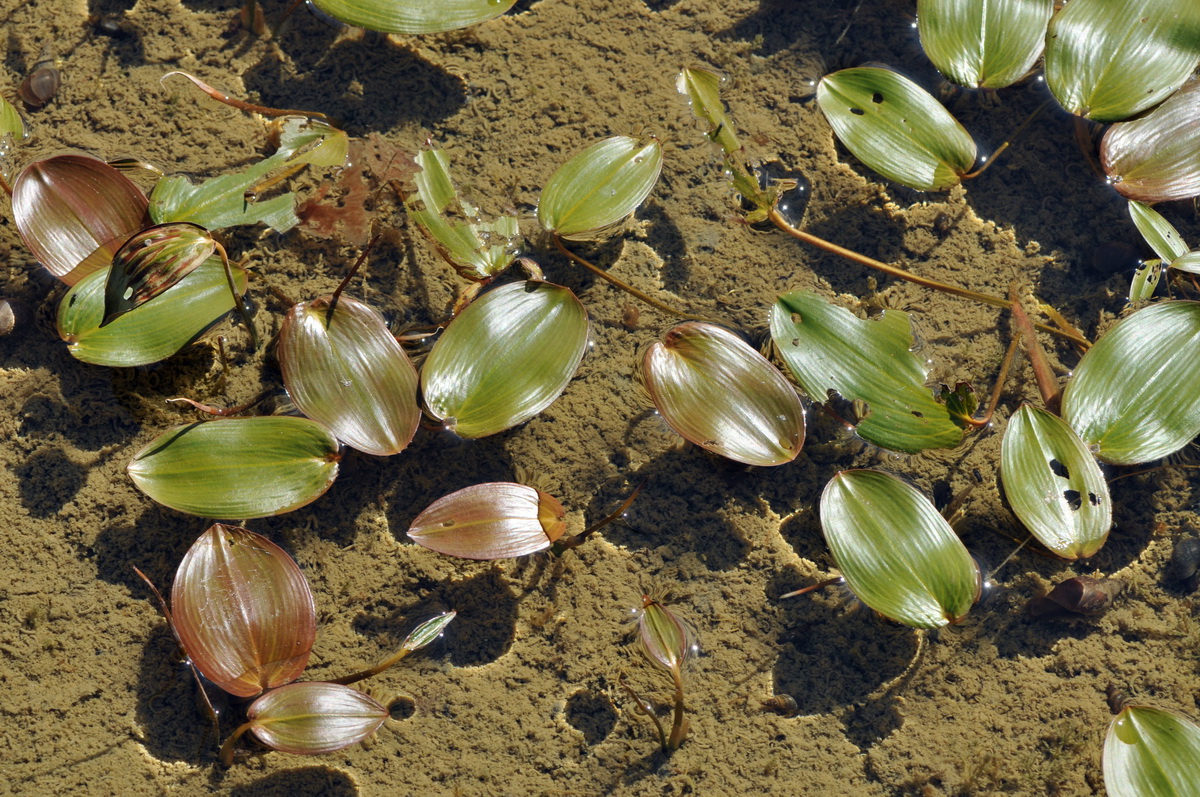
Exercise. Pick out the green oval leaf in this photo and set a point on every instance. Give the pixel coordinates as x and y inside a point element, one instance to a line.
<point>986,44</point>
<point>1135,396</point>
<point>896,128</point>
<point>1159,233</point>
<point>829,350</point>
<point>345,370</point>
<point>1150,752</point>
<point>238,467</point>
<point>74,212</point>
<point>718,392</point>
<point>1156,158</point>
<point>313,717</point>
<point>477,250</point>
<point>413,16</point>
<point>1053,484</point>
<point>897,554</point>
<point>1109,59</point>
<point>155,330</point>
<point>600,186</point>
<point>505,358</point>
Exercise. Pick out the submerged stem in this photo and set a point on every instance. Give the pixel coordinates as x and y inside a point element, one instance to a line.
<point>645,707</point>
<point>988,163</point>
<point>679,727</point>
<point>963,293</point>
<point>396,658</point>
<point>575,541</point>
<point>226,754</point>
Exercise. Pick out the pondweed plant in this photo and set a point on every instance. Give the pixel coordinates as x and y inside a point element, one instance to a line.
<point>667,643</point>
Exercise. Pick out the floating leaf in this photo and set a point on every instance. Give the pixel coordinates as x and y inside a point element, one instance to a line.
<point>238,467</point>
<point>11,123</point>
<point>152,261</point>
<point>156,329</point>
<point>344,369</point>
<point>1109,59</point>
<point>1135,395</point>
<point>500,520</point>
<point>985,44</point>
<point>600,186</point>
<point>75,212</point>
<point>1150,752</point>
<point>830,351</point>
<point>413,16</point>
<point>896,128</point>
<point>1159,233</point>
<point>243,611</point>
<point>896,552</point>
<point>313,718</point>
<point>718,392</point>
<point>476,250</point>
<point>1189,262</point>
<point>1156,158</point>
<point>505,358</point>
<point>1053,484</point>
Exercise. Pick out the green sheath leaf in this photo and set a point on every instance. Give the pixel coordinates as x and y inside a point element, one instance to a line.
<point>896,128</point>
<point>238,467</point>
<point>505,358</point>
<point>897,554</point>
<point>600,186</point>
<point>718,392</point>
<point>830,351</point>
<point>1149,752</point>
<point>346,371</point>
<point>1053,484</point>
<point>1109,59</point>
<point>1135,396</point>
<point>413,16</point>
<point>153,331</point>
<point>986,44</point>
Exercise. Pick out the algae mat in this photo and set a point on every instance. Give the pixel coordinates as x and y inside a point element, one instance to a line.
<point>522,695</point>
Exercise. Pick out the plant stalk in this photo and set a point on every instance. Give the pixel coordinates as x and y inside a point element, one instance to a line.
<point>679,726</point>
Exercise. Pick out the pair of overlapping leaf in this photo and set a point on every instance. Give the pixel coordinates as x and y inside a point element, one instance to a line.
<point>1105,60</point>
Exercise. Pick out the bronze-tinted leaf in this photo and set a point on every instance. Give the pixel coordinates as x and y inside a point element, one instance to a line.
<point>314,718</point>
<point>152,261</point>
<point>344,369</point>
<point>1156,158</point>
<point>243,611</point>
<point>490,521</point>
<point>75,212</point>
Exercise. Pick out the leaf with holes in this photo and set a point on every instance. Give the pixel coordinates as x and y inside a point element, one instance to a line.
<point>896,552</point>
<point>1053,484</point>
<point>896,127</point>
<point>830,351</point>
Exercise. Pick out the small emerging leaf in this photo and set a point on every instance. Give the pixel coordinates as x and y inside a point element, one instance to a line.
<point>238,467</point>
<point>600,186</point>
<point>719,393</point>
<point>896,552</point>
<point>155,330</point>
<point>243,611</point>
<point>75,212</point>
<point>1109,59</point>
<point>499,520</point>
<point>1149,752</point>
<point>505,358</point>
<point>896,127</point>
<point>1053,484</point>
<point>663,639</point>
<point>1159,233</point>
<point>477,250</point>
<point>344,369</point>
<point>313,718</point>
<point>830,351</point>
<point>985,44</point>
<point>1135,395</point>
<point>1156,158</point>
<point>152,261</point>
<point>413,16</point>
<point>427,631</point>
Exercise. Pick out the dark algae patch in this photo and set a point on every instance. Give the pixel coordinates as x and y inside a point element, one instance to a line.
<point>522,694</point>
